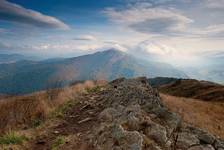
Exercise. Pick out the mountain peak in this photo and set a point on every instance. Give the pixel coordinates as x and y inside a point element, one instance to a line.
<point>113,51</point>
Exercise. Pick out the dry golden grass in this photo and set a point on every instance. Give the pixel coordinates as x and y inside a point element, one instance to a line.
<point>206,115</point>
<point>30,110</point>
<point>22,110</point>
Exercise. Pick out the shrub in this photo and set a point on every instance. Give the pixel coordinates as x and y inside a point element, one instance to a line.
<point>94,89</point>
<point>58,142</point>
<point>59,111</point>
<point>12,138</point>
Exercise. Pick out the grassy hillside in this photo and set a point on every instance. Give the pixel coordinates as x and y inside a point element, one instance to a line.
<point>160,81</point>
<point>195,89</point>
<point>206,115</point>
<point>30,110</point>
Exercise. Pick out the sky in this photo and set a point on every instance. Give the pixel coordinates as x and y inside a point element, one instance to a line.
<point>180,32</point>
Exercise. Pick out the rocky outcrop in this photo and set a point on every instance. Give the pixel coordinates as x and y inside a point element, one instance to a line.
<point>134,118</point>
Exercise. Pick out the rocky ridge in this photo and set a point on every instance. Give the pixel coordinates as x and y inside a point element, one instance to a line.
<point>127,114</point>
<point>134,118</point>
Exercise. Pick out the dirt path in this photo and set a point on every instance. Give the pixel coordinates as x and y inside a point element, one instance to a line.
<point>73,126</point>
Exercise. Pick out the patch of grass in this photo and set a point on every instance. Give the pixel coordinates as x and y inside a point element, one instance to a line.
<point>12,138</point>
<point>58,142</point>
<point>22,110</point>
<point>36,123</point>
<point>60,111</point>
<point>93,89</point>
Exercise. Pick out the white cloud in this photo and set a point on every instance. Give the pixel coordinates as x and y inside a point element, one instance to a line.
<point>85,38</point>
<point>2,30</point>
<point>155,48</point>
<point>214,4</point>
<point>215,30</point>
<point>73,46</point>
<point>166,20</point>
<point>4,46</point>
<point>150,20</point>
<point>18,14</point>
<point>211,31</point>
<point>165,52</point>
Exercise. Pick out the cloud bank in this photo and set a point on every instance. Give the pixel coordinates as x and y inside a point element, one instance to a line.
<point>165,17</point>
<point>150,20</point>
<point>15,13</point>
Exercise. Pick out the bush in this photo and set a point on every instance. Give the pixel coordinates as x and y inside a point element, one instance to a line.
<point>60,111</point>
<point>58,142</point>
<point>12,138</point>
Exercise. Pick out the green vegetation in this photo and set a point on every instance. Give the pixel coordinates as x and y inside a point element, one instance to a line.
<point>12,138</point>
<point>94,89</point>
<point>60,111</point>
<point>36,123</point>
<point>58,142</point>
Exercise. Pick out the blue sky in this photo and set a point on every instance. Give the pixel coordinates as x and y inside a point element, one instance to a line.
<point>177,31</point>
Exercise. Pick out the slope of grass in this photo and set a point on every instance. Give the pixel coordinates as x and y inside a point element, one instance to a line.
<point>30,110</point>
<point>203,114</point>
<point>190,88</point>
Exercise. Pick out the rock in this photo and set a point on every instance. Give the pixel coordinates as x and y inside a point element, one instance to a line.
<point>157,133</point>
<point>154,147</point>
<point>172,121</point>
<point>117,81</point>
<point>132,117</point>
<point>84,120</point>
<point>56,132</point>
<point>203,136</point>
<point>185,140</point>
<point>219,144</point>
<point>202,147</point>
<point>127,139</point>
<point>132,122</point>
<point>133,140</point>
<point>115,137</point>
<point>108,114</point>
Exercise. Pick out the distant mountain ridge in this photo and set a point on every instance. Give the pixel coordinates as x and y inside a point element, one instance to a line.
<point>10,58</point>
<point>29,76</point>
